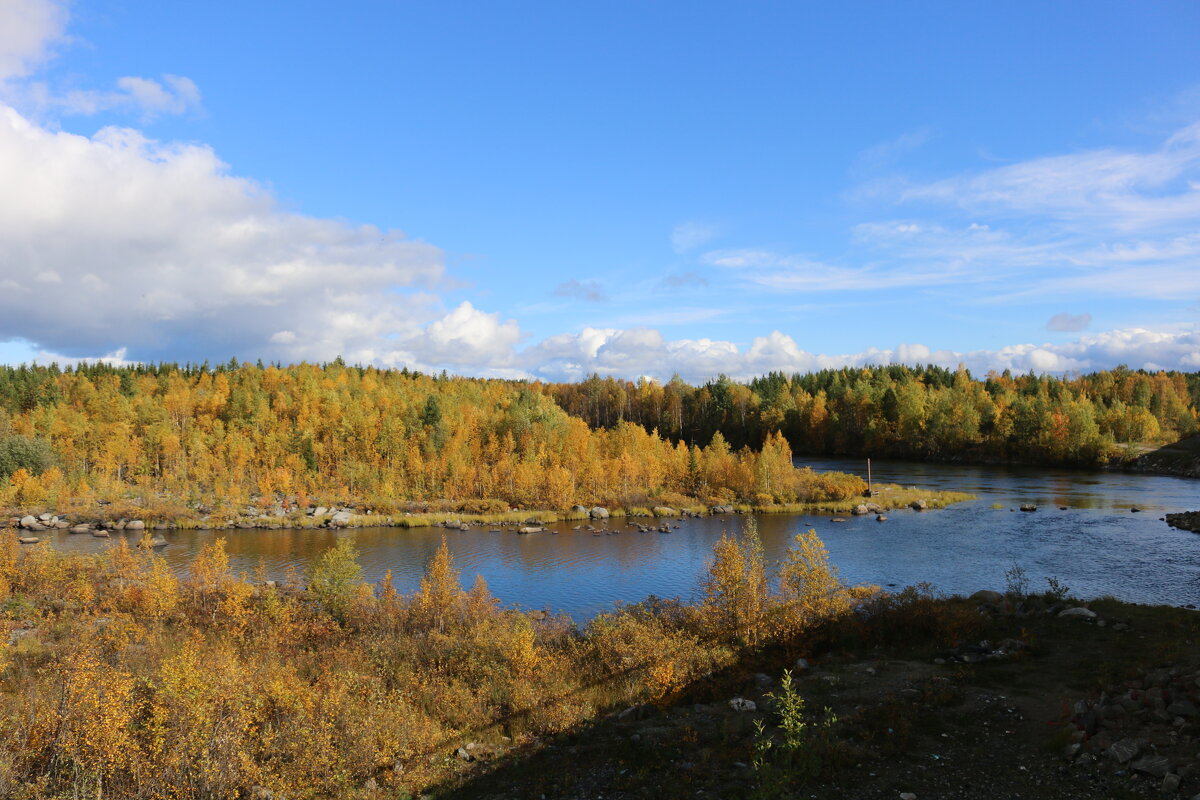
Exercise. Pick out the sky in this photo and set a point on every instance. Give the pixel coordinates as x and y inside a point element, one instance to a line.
<point>548,190</point>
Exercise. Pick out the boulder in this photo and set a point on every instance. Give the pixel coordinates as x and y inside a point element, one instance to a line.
<point>46,517</point>
<point>135,525</point>
<point>28,539</point>
<point>1152,764</point>
<point>341,519</point>
<point>80,529</point>
<point>100,534</point>
<point>1124,750</point>
<point>664,511</point>
<point>36,527</point>
<point>320,511</point>
<point>577,509</point>
<point>881,518</point>
<point>531,529</point>
<point>742,704</point>
<point>1079,612</point>
<point>918,505</point>
<point>599,512</point>
<point>28,520</point>
<point>987,596</point>
<point>1028,507</point>
<point>62,523</point>
<point>861,510</point>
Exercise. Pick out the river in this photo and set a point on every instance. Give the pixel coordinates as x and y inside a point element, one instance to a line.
<point>1083,534</point>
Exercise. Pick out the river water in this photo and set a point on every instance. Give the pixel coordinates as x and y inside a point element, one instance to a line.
<point>1083,534</point>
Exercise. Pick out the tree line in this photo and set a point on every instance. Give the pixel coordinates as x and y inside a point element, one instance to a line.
<point>898,411</point>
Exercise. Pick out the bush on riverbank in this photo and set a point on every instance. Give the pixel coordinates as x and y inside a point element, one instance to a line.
<point>123,679</point>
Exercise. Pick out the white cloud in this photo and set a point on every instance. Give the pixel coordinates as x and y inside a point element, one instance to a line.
<point>150,98</point>
<point>690,235</point>
<point>158,248</point>
<point>28,29</point>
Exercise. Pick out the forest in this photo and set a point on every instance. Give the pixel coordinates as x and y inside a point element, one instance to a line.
<point>910,412</point>
<point>388,439</point>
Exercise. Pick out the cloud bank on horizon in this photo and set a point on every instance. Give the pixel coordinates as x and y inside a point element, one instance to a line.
<point>115,245</point>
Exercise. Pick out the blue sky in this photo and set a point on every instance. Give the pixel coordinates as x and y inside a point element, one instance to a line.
<point>552,189</point>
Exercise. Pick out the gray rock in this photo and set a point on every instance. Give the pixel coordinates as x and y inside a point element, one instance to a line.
<point>62,523</point>
<point>1182,708</point>
<point>28,539</point>
<point>1028,507</point>
<point>918,505</point>
<point>135,525</point>
<point>28,520</point>
<point>45,517</point>
<point>599,512</point>
<point>81,529</point>
<point>1124,750</point>
<point>1170,783</point>
<point>37,526</point>
<point>763,681</point>
<point>664,511</point>
<point>1078,612</point>
<point>801,664</point>
<point>340,519</point>
<point>577,509</point>
<point>742,704</point>
<point>320,511</point>
<point>1152,764</point>
<point>860,510</point>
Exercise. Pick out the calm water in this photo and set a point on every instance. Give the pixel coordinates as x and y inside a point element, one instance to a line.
<point>1096,546</point>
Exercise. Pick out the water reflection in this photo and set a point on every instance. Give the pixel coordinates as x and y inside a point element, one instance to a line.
<point>1096,546</point>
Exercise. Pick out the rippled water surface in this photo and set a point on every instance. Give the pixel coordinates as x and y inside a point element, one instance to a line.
<point>1083,533</point>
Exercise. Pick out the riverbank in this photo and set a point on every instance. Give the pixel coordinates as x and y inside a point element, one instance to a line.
<point>119,678</point>
<point>132,514</point>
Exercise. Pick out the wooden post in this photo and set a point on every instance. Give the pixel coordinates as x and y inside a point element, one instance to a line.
<point>868,477</point>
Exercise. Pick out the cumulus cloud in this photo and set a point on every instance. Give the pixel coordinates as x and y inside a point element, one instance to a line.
<point>28,30</point>
<point>1069,322</point>
<point>117,240</point>
<point>646,352</point>
<point>581,290</point>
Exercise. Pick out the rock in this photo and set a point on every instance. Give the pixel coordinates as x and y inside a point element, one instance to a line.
<point>1152,764</point>
<point>80,529</point>
<point>463,754</point>
<point>320,511</point>
<point>881,518</point>
<point>341,519</point>
<point>918,505</point>
<point>801,664</point>
<point>135,525</point>
<point>37,526</point>
<point>598,512</point>
<point>62,523</point>
<point>1134,510</point>
<point>763,681</point>
<point>1078,612</point>
<point>579,509</point>
<point>741,704</point>
<point>1124,750</point>
<point>531,529</point>
<point>987,596</point>
<point>28,539</point>
<point>150,542</point>
<point>664,511</point>
<point>838,519</point>
<point>860,510</point>
<point>1182,708</point>
<point>1170,783</point>
<point>28,520</point>
<point>47,517</point>
<point>100,534</point>
<point>1028,507</point>
<point>907,796</point>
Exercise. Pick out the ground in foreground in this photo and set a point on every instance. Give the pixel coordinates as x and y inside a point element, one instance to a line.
<point>1036,705</point>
